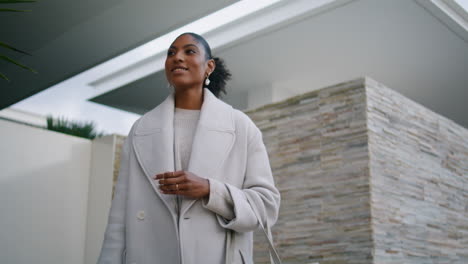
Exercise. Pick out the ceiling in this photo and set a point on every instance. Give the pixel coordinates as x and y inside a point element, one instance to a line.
<point>66,37</point>
<point>411,46</point>
<point>398,43</point>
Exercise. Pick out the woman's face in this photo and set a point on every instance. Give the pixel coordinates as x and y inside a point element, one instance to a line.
<point>186,65</point>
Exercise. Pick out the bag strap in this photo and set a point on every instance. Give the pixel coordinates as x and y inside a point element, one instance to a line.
<point>274,257</point>
<point>229,246</point>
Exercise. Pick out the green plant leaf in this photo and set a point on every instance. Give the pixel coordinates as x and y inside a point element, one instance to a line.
<point>3,44</point>
<point>79,129</point>
<point>16,1</point>
<point>13,10</point>
<point>4,77</point>
<point>3,57</point>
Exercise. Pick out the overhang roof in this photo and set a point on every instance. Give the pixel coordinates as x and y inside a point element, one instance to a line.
<point>67,37</point>
<point>419,48</point>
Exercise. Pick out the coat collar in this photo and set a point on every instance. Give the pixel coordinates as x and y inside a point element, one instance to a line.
<point>214,115</point>
<point>153,140</point>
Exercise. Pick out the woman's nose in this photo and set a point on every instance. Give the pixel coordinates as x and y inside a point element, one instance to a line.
<point>179,56</point>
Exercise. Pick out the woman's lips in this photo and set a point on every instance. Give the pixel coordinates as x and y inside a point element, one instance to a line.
<point>179,69</point>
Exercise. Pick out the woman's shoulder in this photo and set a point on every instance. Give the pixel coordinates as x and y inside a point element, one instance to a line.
<point>150,122</point>
<point>244,123</point>
<point>134,126</point>
<point>241,117</point>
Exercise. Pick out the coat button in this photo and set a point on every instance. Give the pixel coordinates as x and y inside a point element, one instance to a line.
<point>141,215</point>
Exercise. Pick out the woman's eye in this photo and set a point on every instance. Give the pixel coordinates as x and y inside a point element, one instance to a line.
<point>190,51</point>
<point>169,53</point>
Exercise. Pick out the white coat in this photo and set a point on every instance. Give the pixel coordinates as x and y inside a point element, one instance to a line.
<point>227,149</point>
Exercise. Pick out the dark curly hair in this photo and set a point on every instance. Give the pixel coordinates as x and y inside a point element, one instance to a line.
<point>220,75</point>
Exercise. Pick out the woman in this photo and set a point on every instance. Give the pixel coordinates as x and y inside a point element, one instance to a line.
<point>193,169</point>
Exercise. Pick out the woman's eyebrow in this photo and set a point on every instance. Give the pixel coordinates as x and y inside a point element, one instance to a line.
<point>185,46</point>
<point>191,45</point>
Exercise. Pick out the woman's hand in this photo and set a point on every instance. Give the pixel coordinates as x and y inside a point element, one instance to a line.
<point>183,183</point>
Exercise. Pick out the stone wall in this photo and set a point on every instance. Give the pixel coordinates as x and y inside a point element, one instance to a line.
<point>419,181</point>
<point>366,176</point>
<point>119,141</point>
<point>317,143</point>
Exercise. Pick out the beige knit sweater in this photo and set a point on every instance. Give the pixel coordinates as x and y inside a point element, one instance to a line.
<point>185,124</point>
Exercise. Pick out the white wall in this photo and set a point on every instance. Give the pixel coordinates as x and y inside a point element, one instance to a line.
<point>24,117</point>
<point>99,195</point>
<point>43,195</point>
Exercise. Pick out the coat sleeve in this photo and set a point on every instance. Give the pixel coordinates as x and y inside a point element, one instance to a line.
<point>258,185</point>
<point>219,201</point>
<point>113,247</point>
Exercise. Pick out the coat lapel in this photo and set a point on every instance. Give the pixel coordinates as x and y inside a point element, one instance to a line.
<point>153,141</point>
<point>212,141</point>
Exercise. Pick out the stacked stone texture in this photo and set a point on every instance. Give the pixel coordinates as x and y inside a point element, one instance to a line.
<point>419,181</point>
<point>318,148</point>
<point>118,144</point>
<point>366,176</point>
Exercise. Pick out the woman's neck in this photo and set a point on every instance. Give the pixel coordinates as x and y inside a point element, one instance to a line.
<point>189,98</point>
